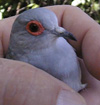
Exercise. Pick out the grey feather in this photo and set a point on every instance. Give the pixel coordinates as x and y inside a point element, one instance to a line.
<point>47,51</point>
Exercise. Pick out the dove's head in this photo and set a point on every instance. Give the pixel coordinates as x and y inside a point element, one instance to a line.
<point>36,27</point>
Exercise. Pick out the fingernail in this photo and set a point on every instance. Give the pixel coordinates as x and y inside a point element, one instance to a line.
<point>67,97</point>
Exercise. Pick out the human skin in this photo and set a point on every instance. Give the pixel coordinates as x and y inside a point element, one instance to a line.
<point>22,84</point>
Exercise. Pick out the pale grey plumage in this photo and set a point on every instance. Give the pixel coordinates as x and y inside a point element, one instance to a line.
<point>47,51</point>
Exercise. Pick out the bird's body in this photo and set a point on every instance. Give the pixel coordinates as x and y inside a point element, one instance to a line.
<point>46,51</point>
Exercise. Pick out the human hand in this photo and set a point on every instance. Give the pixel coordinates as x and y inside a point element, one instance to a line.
<point>23,81</point>
<point>87,33</point>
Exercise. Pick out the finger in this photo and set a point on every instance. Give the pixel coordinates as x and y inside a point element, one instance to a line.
<point>87,32</point>
<point>93,87</point>
<point>23,84</point>
<point>5,30</point>
<point>69,18</point>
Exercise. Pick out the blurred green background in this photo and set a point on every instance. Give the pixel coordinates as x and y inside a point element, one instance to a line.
<point>12,7</point>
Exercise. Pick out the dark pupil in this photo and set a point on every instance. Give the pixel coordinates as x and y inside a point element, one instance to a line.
<point>33,27</point>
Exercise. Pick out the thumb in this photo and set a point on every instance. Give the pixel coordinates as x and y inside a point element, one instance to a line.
<point>23,84</point>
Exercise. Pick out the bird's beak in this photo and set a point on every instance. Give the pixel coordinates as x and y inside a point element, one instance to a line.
<point>61,32</point>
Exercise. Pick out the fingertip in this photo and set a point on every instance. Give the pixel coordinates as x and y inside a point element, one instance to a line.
<point>5,30</point>
<point>66,97</point>
<point>91,50</point>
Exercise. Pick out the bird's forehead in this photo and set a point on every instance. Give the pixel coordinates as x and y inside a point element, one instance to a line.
<point>45,16</point>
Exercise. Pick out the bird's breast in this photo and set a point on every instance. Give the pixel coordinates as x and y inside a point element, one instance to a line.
<point>53,57</point>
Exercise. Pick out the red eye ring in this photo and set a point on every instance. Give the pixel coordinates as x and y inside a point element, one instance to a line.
<point>34,28</point>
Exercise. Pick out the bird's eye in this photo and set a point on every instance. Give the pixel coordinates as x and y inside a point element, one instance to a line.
<point>34,28</point>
